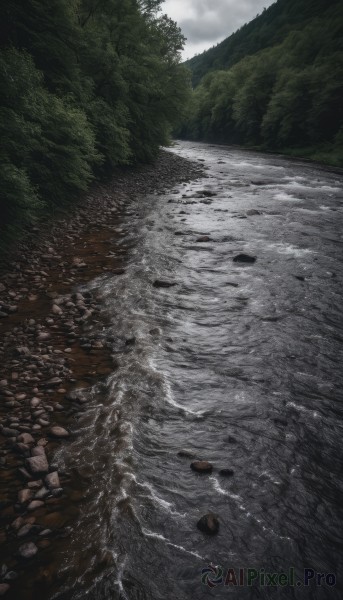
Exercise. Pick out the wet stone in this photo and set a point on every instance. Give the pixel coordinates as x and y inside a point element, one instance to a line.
<point>38,464</point>
<point>28,550</point>
<point>24,496</point>
<point>244,258</point>
<point>59,432</point>
<point>52,480</point>
<point>25,530</point>
<point>35,504</point>
<point>42,494</point>
<point>203,238</point>
<point>209,524</point>
<point>26,438</point>
<point>159,283</point>
<point>38,451</point>
<point>226,472</point>
<point>201,466</point>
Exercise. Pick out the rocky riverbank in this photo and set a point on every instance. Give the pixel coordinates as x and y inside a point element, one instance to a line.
<point>50,352</point>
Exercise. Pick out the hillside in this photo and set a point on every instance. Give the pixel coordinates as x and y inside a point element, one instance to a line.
<point>266,30</point>
<point>286,97</point>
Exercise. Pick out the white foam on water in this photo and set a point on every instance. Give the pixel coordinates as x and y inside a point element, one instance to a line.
<point>289,249</point>
<point>161,538</point>
<point>303,409</point>
<point>270,477</point>
<point>168,394</point>
<point>282,196</point>
<point>187,551</point>
<point>167,506</point>
<point>223,492</point>
<point>154,535</point>
<point>119,580</point>
<point>243,508</point>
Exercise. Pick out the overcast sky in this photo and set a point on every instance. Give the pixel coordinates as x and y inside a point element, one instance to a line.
<point>207,22</point>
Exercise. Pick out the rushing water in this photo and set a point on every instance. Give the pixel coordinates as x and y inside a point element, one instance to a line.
<point>240,364</point>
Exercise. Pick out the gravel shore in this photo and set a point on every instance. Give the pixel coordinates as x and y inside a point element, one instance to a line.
<point>48,356</point>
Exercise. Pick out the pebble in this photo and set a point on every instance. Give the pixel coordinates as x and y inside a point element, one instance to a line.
<point>58,432</point>
<point>17,523</point>
<point>52,480</point>
<point>26,438</point>
<point>35,402</point>
<point>159,283</point>
<point>25,530</point>
<point>38,464</point>
<point>35,504</point>
<point>56,310</point>
<point>54,381</point>
<point>28,550</point>
<point>24,496</point>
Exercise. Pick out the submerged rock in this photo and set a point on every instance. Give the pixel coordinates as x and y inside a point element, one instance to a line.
<point>159,283</point>
<point>244,258</point>
<point>186,453</point>
<point>226,472</point>
<point>203,238</point>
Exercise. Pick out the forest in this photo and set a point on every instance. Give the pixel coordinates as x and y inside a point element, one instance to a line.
<point>85,86</point>
<point>276,84</point>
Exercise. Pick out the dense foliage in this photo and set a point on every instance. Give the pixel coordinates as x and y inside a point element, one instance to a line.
<point>85,85</point>
<point>286,97</point>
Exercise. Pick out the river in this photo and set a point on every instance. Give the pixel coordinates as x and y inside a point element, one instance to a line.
<point>238,364</point>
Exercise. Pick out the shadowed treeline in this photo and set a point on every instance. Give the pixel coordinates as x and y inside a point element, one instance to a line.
<point>85,85</point>
<point>276,84</point>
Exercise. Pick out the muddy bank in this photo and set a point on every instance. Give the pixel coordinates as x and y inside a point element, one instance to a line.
<point>49,354</point>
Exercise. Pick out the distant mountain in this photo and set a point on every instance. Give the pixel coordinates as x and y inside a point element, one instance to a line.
<point>266,30</point>
<point>276,84</point>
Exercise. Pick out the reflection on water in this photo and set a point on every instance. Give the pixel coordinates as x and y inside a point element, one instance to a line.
<point>240,364</point>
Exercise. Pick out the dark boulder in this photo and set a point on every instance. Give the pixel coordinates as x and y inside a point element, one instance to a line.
<point>244,258</point>
<point>226,472</point>
<point>208,524</point>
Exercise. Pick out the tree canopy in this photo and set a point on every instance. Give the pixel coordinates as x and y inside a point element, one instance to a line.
<point>285,97</point>
<point>85,86</point>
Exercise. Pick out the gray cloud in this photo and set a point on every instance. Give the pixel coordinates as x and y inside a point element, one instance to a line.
<point>207,22</point>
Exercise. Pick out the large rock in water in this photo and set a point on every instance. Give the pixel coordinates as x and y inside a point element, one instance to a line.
<point>201,466</point>
<point>208,524</point>
<point>244,258</point>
